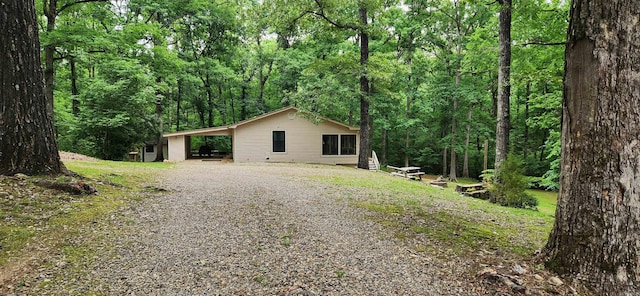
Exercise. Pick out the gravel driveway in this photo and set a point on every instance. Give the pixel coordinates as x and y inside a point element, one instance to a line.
<point>225,229</point>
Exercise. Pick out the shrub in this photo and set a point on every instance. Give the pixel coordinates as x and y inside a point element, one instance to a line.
<point>509,185</point>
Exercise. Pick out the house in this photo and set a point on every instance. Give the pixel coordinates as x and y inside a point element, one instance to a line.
<point>285,135</point>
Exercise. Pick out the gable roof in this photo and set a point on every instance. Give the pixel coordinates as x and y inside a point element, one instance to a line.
<point>226,130</point>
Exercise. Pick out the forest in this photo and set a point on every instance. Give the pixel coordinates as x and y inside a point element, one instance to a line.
<point>122,72</point>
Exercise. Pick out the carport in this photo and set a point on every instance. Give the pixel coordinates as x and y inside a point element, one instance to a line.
<point>180,142</point>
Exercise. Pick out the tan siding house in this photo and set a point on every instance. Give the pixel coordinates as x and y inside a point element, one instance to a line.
<point>285,135</point>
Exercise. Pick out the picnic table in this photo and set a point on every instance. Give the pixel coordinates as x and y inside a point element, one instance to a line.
<point>411,172</point>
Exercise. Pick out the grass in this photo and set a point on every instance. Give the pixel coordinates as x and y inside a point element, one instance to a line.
<point>546,201</point>
<point>32,217</point>
<point>431,218</point>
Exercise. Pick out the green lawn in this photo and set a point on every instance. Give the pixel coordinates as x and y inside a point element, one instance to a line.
<point>427,216</point>
<point>546,201</point>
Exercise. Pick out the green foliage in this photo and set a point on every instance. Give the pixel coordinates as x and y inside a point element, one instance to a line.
<point>116,114</point>
<point>510,184</point>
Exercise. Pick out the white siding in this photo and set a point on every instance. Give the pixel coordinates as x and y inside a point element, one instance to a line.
<point>252,142</point>
<point>151,156</point>
<point>177,148</point>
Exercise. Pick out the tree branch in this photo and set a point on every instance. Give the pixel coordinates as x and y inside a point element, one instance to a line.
<point>543,43</point>
<point>330,21</point>
<point>78,2</point>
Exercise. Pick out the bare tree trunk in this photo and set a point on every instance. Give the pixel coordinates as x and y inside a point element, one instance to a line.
<point>383,147</point>
<point>465,162</point>
<point>444,162</point>
<point>365,135</point>
<point>504,85</point>
<point>27,140</point>
<point>233,105</point>
<point>454,124</point>
<point>51,12</point>
<point>159,110</point>
<point>408,111</point>
<point>597,228</point>
<point>75,103</point>
<point>525,146</point>
<point>178,102</point>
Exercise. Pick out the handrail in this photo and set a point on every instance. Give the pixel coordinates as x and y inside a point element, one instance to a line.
<point>375,159</point>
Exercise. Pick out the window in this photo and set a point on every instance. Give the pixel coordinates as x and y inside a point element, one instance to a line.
<point>347,144</point>
<point>149,148</point>
<point>329,144</point>
<point>339,145</point>
<point>278,141</point>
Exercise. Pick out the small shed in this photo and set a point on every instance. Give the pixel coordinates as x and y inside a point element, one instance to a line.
<point>285,135</point>
<point>151,148</point>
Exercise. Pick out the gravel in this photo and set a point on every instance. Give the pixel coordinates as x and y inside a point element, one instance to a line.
<point>225,229</point>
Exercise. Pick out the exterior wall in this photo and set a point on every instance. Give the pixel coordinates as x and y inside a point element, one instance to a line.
<point>177,149</point>
<point>151,156</point>
<point>252,142</point>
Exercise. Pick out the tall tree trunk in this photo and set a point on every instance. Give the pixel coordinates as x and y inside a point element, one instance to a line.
<point>465,162</point>
<point>233,107</point>
<point>504,85</point>
<point>27,140</point>
<point>408,110</point>
<point>243,103</point>
<point>51,12</point>
<point>223,106</point>
<point>365,135</point>
<point>383,147</point>
<point>75,103</point>
<point>454,124</point>
<point>444,162</point>
<point>178,102</point>
<point>597,228</point>
<point>159,109</point>
<point>210,104</point>
<point>525,145</point>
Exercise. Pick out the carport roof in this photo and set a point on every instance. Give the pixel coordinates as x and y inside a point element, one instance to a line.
<point>227,130</point>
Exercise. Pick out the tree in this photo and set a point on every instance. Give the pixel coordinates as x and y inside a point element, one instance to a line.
<point>597,227</point>
<point>27,141</point>
<point>52,11</point>
<point>504,84</point>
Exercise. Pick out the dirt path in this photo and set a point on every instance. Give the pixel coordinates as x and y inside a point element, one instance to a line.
<point>228,229</point>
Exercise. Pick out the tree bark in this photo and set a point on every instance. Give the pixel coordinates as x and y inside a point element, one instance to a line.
<point>465,161</point>
<point>51,12</point>
<point>75,103</point>
<point>178,102</point>
<point>444,162</point>
<point>159,110</point>
<point>408,108</point>
<point>597,229</point>
<point>365,135</point>
<point>454,121</point>
<point>27,140</point>
<point>525,145</point>
<point>504,85</point>
<point>383,147</point>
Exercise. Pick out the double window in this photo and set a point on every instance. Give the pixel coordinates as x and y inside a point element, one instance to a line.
<point>338,144</point>
<point>278,141</point>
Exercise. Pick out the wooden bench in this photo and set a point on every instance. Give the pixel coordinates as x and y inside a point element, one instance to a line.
<point>414,174</point>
